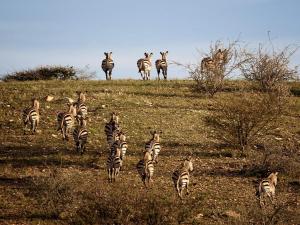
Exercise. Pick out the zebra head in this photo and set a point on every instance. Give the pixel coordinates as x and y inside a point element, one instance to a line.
<point>188,164</point>
<point>273,178</point>
<point>122,136</point>
<point>114,117</point>
<point>164,55</point>
<point>72,110</point>
<point>148,55</point>
<point>81,96</point>
<point>108,55</point>
<point>220,57</point>
<point>35,104</point>
<point>155,135</point>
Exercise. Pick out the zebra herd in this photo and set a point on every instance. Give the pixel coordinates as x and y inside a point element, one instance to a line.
<point>117,147</point>
<point>144,65</point>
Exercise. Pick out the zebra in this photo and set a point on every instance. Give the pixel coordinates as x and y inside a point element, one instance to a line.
<point>110,127</point>
<point>31,115</point>
<point>153,145</point>
<point>65,121</point>
<point>81,108</point>
<point>217,61</point>
<point>181,176</point>
<point>107,65</point>
<point>145,168</point>
<point>114,163</point>
<point>80,135</point>
<point>123,144</point>
<point>161,64</point>
<point>267,187</point>
<point>144,65</point>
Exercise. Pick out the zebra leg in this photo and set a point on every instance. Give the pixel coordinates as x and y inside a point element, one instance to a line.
<point>149,75</point>
<point>158,72</point>
<point>110,71</point>
<point>165,73</point>
<point>187,188</point>
<point>25,127</point>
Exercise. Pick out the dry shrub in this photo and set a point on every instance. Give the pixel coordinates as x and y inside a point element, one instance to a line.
<point>244,118</point>
<point>210,81</point>
<point>268,69</point>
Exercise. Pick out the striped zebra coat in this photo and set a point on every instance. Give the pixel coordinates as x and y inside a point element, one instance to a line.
<point>114,163</point>
<point>65,121</point>
<point>153,145</point>
<point>107,65</point>
<point>216,62</point>
<point>31,115</point>
<point>144,66</point>
<point>111,127</point>
<point>181,177</point>
<point>267,187</point>
<point>80,135</point>
<point>162,65</point>
<point>81,108</point>
<point>145,168</point>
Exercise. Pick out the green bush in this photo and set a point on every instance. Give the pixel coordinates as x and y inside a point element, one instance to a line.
<point>43,73</point>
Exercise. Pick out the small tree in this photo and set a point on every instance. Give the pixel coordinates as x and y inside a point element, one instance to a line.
<point>211,71</point>
<point>269,70</point>
<point>245,117</point>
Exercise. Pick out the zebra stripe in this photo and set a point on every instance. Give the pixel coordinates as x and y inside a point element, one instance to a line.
<point>80,135</point>
<point>267,187</point>
<point>114,163</point>
<point>153,145</point>
<point>107,65</point>
<point>31,115</point>
<point>181,177</point>
<point>144,65</point>
<point>145,168</point>
<point>65,121</point>
<point>162,65</point>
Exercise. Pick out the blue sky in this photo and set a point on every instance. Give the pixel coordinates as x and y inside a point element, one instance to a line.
<point>77,32</point>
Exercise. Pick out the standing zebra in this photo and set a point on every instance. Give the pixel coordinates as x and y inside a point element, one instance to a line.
<point>144,65</point>
<point>110,127</point>
<point>31,115</point>
<point>161,64</point>
<point>107,65</point>
<point>114,163</point>
<point>80,135</point>
<point>81,108</point>
<point>145,168</point>
<point>181,176</point>
<point>153,145</point>
<point>65,121</point>
<point>123,145</point>
<point>216,62</point>
<point>267,187</point>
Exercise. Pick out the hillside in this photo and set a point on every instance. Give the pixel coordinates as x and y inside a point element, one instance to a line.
<point>44,181</point>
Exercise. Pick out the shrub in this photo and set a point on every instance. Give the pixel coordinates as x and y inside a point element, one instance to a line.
<point>241,120</point>
<point>43,73</point>
<point>268,70</point>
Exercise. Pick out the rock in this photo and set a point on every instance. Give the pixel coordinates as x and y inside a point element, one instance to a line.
<point>49,98</point>
<point>232,214</point>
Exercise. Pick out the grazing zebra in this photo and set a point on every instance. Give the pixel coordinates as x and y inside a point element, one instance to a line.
<point>110,127</point>
<point>181,176</point>
<point>80,135</point>
<point>144,65</point>
<point>153,145</point>
<point>145,168</point>
<point>161,64</point>
<point>107,65</point>
<point>114,163</point>
<point>81,108</point>
<point>217,61</point>
<point>31,115</point>
<point>65,121</point>
<point>267,187</point>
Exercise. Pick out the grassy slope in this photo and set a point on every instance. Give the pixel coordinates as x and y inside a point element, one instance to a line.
<point>167,106</point>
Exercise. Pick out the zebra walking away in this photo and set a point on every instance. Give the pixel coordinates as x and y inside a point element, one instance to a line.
<point>181,176</point>
<point>31,115</point>
<point>153,145</point>
<point>111,127</point>
<point>108,65</point>
<point>80,135</point>
<point>114,163</point>
<point>81,108</point>
<point>162,65</point>
<point>267,187</point>
<point>144,66</point>
<point>145,168</point>
<point>65,121</point>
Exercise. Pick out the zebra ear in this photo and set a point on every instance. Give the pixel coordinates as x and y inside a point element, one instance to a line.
<point>110,52</point>
<point>161,53</point>
<point>167,52</point>
<point>146,54</point>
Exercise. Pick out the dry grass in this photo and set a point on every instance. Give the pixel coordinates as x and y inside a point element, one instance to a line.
<point>44,181</point>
